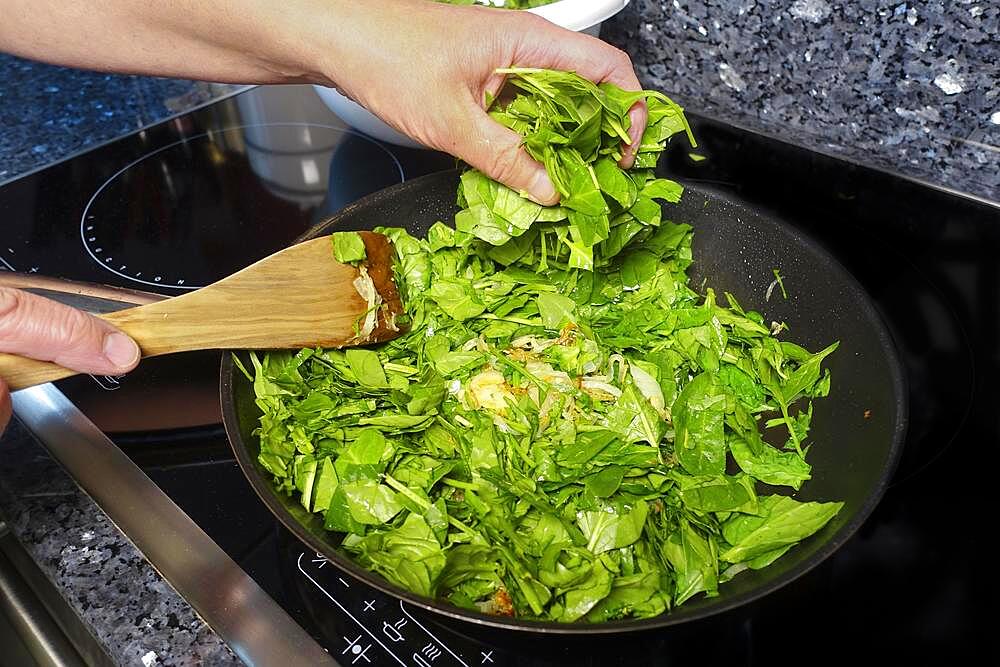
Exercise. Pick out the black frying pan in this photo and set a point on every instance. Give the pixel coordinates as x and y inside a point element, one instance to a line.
<point>857,431</point>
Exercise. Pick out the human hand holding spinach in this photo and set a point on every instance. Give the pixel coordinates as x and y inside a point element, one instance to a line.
<point>434,87</point>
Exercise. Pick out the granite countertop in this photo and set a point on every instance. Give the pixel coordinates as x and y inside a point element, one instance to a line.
<point>909,87</point>
<point>135,616</point>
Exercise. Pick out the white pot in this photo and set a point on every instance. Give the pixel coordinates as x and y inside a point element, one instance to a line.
<point>578,15</point>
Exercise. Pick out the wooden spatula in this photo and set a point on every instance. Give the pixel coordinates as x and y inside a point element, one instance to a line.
<point>298,297</point>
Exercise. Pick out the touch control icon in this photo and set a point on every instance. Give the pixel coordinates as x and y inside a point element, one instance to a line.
<point>355,649</point>
<point>393,631</point>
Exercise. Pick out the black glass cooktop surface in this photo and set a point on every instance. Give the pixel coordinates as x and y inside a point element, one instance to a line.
<point>186,202</point>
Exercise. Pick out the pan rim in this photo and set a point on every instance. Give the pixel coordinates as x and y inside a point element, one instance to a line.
<point>897,379</point>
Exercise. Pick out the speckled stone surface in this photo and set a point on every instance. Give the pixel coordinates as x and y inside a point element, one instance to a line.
<point>48,113</point>
<point>134,614</point>
<point>911,87</point>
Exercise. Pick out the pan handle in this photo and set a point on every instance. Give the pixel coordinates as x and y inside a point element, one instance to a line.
<point>91,297</point>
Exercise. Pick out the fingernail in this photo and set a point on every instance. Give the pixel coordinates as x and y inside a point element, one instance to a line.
<point>542,190</point>
<point>636,128</point>
<point>628,157</point>
<point>635,134</point>
<point>631,149</point>
<point>636,137</point>
<point>120,350</point>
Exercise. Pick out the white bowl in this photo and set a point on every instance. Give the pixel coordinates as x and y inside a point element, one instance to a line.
<point>580,15</point>
<point>577,15</point>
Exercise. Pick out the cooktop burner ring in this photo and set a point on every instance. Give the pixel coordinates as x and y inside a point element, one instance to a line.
<point>94,248</point>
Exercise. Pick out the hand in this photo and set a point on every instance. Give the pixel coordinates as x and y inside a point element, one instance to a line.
<point>436,63</point>
<point>32,326</point>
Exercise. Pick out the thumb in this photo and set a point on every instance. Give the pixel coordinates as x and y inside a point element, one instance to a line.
<point>36,327</point>
<point>496,151</point>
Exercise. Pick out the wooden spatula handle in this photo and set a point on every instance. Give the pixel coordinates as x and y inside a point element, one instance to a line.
<point>298,297</point>
<point>20,372</point>
<point>158,328</point>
